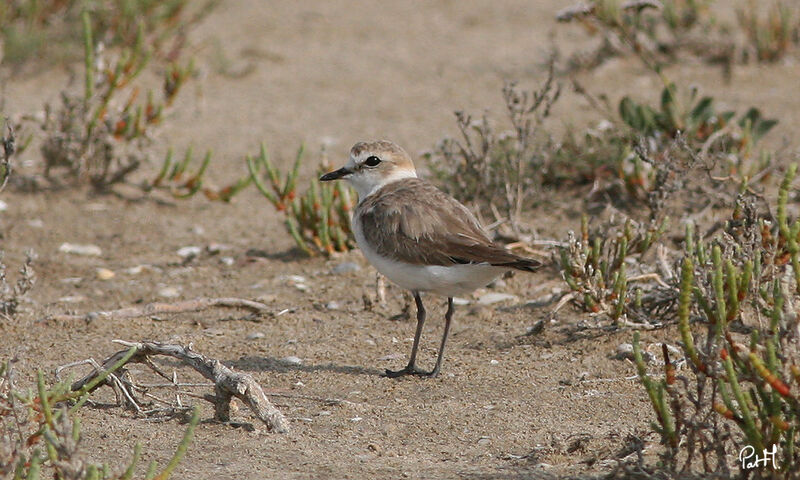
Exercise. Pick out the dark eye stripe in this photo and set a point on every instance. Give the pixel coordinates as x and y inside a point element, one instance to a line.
<point>372,161</point>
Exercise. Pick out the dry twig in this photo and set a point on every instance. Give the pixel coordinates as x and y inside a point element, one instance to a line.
<point>227,382</point>
<point>157,308</point>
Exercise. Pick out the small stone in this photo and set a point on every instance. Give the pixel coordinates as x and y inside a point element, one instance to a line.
<point>3,206</point>
<point>494,362</point>
<point>228,261</point>
<point>215,248</point>
<point>190,251</point>
<point>198,230</point>
<point>624,350</point>
<point>356,419</point>
<point>484,440</point>
<point>297,281</point>
<point>104,274</point>
<point>536,328</point>
<point>495,297</point>
<point>333,305</point>
<point>267,298</point>
<point>292,360</point>
<point>460,301</point>
<point>72,299</point>
<point>346,267</point>
<point>169,292</point>
<point>255,335</point>
<point>135,270</point>
<point>214,332</point>
<point>497,283</point>
<point>88,250</point>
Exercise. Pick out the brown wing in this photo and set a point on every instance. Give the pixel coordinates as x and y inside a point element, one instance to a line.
<point>413,222</point>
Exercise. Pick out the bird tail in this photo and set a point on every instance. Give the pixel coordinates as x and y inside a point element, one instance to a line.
<point>522,263</point>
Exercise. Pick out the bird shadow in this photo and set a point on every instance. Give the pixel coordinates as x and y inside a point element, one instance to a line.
<point>271,364</point>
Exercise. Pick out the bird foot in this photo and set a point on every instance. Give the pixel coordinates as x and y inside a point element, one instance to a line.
<point>411,370</point>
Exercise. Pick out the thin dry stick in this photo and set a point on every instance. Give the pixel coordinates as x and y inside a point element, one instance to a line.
<point>156,308</point>
<point>227,382</point>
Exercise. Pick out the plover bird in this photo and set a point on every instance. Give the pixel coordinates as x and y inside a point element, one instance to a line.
<point>419,237</point>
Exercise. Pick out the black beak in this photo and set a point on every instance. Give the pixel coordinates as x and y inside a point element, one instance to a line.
<point>342,172</point>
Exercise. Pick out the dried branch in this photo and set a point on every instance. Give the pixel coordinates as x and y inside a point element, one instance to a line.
<point>227,382</point>
<point>157,308</point>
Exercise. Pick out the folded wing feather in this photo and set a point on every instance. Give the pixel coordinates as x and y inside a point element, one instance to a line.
<point>413,222</point>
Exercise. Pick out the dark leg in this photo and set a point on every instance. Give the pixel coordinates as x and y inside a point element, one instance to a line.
<point>411,369</point>
<point>447,318</point>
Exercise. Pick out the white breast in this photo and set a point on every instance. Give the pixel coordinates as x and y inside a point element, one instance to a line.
<point>449,281</point>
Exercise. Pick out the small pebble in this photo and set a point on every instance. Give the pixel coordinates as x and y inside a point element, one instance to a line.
<point>104,274</point>
<point>215,248</point>
<point>297,281</point>
<point>72,299</point>
<point>76,249</point>
<point>495,297</point>
<point>624,350</point>
<point>494,362</point>
<point>460,301</point>
<point>294,278</point>
<point>169,292</point>
<point>346,267</point>
<point>3,206</point>
<point>484,441</point>
<point>255,335</point>
<point>135,270</point>
<point>356,419</point>
<point>190,251</point>
<point>324,413</point>
<point>292,360</point>
<point>333,306</point>
<point>227,261</point>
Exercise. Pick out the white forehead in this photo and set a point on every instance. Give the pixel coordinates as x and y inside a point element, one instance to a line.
<point>358,158</point>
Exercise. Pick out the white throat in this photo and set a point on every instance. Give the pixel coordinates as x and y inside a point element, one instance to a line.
<point>367,185</point>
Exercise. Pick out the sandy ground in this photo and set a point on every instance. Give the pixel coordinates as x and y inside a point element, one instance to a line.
<point>332,73</point>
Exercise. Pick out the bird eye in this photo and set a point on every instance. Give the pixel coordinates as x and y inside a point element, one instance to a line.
<point>372,161</point>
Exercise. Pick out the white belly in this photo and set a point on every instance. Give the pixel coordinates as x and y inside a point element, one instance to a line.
<point>449,281</point>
